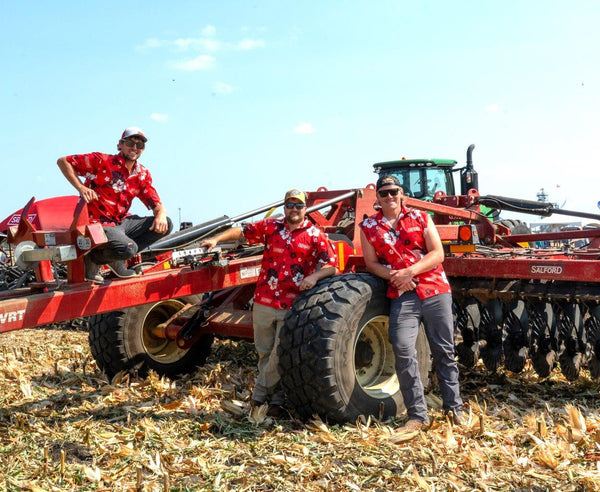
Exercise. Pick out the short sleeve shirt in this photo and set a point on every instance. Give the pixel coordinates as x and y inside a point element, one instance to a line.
<point>289,256</point>
<point>116,187</point>
<point>402,246</point>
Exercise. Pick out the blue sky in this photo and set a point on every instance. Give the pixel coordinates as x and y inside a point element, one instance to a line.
<point>243,100</point>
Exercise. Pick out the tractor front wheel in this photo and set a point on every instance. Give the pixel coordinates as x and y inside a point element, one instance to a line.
<point>335,358</point>
<point>125,341</point>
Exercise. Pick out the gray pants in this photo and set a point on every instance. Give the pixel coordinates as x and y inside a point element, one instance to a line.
<point>267,323</point>
<point>126,239</point>
<point>405,318</point>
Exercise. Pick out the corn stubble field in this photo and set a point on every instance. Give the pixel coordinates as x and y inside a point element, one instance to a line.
<point>63,426</point>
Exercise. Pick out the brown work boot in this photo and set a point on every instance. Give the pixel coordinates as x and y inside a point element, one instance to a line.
<point>120,269</point>
<point>411,426</point>
<point>92,271</point>
<point>408,431</point>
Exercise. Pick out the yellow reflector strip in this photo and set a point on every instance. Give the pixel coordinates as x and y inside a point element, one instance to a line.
<point>462,248</point>
<point>341,258</point>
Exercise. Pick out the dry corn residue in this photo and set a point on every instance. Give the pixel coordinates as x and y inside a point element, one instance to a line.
<point>63,426</point>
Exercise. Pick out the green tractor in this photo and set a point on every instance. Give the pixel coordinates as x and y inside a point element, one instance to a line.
<point>423,178</point>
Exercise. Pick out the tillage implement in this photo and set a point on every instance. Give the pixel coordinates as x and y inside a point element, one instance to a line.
<point>518,295</point>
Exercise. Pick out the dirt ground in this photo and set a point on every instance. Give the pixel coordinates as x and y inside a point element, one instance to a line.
<point>63,426</point>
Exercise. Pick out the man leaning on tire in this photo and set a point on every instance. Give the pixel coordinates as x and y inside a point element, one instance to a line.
<point>402,245</point>
<point>296,256</point>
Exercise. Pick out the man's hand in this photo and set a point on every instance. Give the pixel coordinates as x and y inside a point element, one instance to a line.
<point>402,279</point>
<point>87,194</point>
<point>160,224</point>
<point>209,244</point>
<point>233,234</point>
<point>309,282</point>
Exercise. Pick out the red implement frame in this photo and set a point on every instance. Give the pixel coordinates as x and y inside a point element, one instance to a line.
<point>232,280</point>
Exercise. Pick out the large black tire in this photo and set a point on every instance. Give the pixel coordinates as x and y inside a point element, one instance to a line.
<point>123,341</point>
<point>335,359</point>
<point>515,226</point>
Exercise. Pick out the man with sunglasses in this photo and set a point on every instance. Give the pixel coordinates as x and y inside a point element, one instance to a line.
<point>296,256</point>
<point>111,182</point>
<point>402,246</point>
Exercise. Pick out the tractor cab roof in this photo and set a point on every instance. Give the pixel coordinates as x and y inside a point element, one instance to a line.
<point>412,163</point>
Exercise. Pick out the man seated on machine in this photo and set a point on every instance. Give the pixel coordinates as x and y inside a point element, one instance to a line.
<point>111,182</point>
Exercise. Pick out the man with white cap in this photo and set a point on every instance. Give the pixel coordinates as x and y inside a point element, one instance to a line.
<point>297,255</point>
<point>110,184</point>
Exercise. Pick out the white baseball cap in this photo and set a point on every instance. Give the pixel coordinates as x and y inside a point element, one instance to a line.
<point>132,131</point>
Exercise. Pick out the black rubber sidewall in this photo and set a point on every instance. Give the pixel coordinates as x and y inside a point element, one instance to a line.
<point>316,350</point>
<point>115,343</point>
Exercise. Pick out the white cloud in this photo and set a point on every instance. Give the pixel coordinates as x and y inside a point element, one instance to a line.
<point>249,44</point>
<point>150,44</point>
<point>492,107</point>
<point>304,129</point>
<point>159,117</point>
<point>202,45</point>
<point>197,44</point>
<point>209,31</point>
<point>223,88</point>
<point>202,62</point>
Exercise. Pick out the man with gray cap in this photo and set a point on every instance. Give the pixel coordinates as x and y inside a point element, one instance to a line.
<point>297,255</point>
<point>111,182</point>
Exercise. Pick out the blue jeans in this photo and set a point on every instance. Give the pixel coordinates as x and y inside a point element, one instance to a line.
<point>126,239</point>
<point>405,318</point>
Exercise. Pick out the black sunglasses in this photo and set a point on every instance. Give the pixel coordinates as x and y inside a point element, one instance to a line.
<point>137,145</point>
<point>384,193</point>
<point>297,206</point>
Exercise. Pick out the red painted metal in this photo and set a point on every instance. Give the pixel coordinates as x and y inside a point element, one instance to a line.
<point>70,226</point>
<point>232,283</point>
<point>51,214</point>
<point>552,268</point>
<point>86,299</point>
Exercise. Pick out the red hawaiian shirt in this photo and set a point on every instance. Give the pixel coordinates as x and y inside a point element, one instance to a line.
<point>403,246</point>
<point>116,187</point>
<point>289,256</point>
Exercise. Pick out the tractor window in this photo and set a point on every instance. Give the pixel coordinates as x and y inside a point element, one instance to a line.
<point>423,183</point>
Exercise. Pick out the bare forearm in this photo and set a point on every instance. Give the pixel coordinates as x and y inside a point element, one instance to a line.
<point>380,270</point>
<point>311,280</point>
<point>428,262</point>
<point>69,173</point>
<point>325,272</point>
<point>229,235</point>
<point>159,211</point>
<point>234,233</point>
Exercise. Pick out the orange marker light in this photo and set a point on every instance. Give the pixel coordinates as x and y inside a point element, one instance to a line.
<point>465,234</point>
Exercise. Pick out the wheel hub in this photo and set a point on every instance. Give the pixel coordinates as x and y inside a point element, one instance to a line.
<point>374,362</point>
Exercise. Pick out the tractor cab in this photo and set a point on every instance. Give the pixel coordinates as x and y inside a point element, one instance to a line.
<point>421,178</point>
